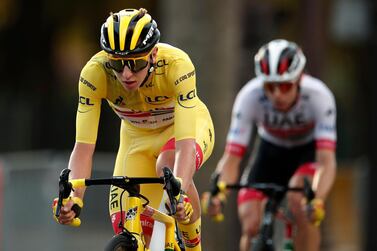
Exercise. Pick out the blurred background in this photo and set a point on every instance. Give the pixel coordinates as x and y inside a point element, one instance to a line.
<point>44,44</point>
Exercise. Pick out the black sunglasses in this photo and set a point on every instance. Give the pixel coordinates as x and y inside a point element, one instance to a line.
<point>135,65</point>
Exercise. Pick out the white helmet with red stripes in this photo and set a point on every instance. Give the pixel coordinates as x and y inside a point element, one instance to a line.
<point>279,61</point>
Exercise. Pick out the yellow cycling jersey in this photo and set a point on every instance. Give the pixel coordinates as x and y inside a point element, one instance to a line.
<point>169,98</point>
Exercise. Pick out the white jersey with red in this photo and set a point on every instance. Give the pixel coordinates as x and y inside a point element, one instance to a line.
<point>312,117</point>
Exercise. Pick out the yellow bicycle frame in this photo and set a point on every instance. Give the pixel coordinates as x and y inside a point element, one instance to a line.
<point>133,223</point>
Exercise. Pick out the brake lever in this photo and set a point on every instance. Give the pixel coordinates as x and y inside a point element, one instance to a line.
<point>172,188</point>
<point>308,191</point>
<point>214,190</point>
<point>65,189</point>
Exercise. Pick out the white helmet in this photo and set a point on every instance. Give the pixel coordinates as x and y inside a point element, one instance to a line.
<point>279,61</point>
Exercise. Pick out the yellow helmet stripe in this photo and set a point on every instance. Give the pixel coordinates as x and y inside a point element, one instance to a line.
<point>123,28</point>
<point>138,28</point>
<point>110,31</point>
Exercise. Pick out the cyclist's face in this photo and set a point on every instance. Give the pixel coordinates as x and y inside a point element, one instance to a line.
<point>281,95</point>
<point>131,72</point>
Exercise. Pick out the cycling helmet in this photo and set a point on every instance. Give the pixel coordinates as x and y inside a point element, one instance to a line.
<point>279,61</point>
<point>129,32</point>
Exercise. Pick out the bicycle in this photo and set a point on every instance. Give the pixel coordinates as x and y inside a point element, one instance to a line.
<point>265,239</point>
<point>131,238</point>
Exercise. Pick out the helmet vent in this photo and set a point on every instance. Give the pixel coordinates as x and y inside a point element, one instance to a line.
<point>115,17</point>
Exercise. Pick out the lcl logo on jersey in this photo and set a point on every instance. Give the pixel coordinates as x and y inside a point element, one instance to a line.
<point>161,63</point>
<point>156,100</point>
<point>85,101</point>
<point>187,100</point>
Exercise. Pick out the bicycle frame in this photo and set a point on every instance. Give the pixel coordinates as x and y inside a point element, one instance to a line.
<point>134,207</point>
<point>264,241</point>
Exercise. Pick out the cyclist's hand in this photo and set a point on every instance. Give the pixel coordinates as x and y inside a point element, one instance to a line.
<point>184,208</point>
<point>213,205</point>
<point>69,211</point>
<point>315,210</point>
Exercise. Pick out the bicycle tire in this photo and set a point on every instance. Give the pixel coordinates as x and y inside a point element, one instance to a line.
<point>264,241</point>
<point>261,245</point>
<point>122,242</point>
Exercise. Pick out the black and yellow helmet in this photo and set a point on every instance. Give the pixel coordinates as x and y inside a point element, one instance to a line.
<point>129,32</point>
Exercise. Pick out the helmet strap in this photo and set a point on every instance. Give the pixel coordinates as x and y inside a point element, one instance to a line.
<point>150,70</point>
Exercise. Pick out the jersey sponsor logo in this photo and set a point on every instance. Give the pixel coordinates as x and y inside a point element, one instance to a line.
<point>85,101</point>
<point>161,63</point>
<point>153,118</point>
<point>326,127</point>
<point>119,101</point>
<point>149,85</point>
<point>87,83</point>
<point>292,133</point>
<point>279,120</point>
<point>156,100</point>
<point>187,100</point>
<point>184,77</point>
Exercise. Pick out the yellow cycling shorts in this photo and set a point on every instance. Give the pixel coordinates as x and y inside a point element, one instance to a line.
<point>138,152</point>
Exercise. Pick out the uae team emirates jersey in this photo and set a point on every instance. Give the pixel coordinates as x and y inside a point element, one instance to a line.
<point>313,117</point>
<point>169,98</point>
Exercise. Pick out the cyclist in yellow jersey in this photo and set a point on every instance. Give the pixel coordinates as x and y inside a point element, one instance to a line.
<point>151,87</point>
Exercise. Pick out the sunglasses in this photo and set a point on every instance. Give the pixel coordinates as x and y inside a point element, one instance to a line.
<point>283,87</point>
<point>134,64</point>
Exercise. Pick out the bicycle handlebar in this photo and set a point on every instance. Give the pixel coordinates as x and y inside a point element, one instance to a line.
<point>272,190</point>
<point>171,184</point>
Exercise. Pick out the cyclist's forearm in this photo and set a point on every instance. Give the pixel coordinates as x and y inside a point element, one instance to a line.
<point>228,167</point>
<point>80,164</point>
<point>325,176</point>
<point>184,165</point>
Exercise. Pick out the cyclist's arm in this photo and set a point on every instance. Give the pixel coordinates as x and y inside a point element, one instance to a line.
<point>182,77</point>
<point>228,166</point>
<point>239,134</point>
<point>92,89</point>
<point>325,135</point>
<point>80,164</point>
<point>325,175</point>
<point>184,166</point>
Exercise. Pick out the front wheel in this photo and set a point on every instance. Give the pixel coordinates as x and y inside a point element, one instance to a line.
<point>122,242</point>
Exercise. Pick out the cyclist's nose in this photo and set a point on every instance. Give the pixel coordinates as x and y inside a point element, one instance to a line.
<point>127,73</point>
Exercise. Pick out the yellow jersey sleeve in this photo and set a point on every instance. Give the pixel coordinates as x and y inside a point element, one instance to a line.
<point>92,89</point>
<point>186,100</point>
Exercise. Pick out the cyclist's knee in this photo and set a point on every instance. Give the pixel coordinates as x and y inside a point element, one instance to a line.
<point>250,219</point>
<point>250,228</point>
<point>295,207</point>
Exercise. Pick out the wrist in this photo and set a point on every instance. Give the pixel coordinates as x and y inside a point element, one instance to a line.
<point>318,202</point>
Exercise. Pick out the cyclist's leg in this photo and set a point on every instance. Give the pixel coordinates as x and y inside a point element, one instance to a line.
<point>250,210</point>
<point>136,158</point>
<point>204,146</point>
<point>268,165</point>
<point>307,236</point>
